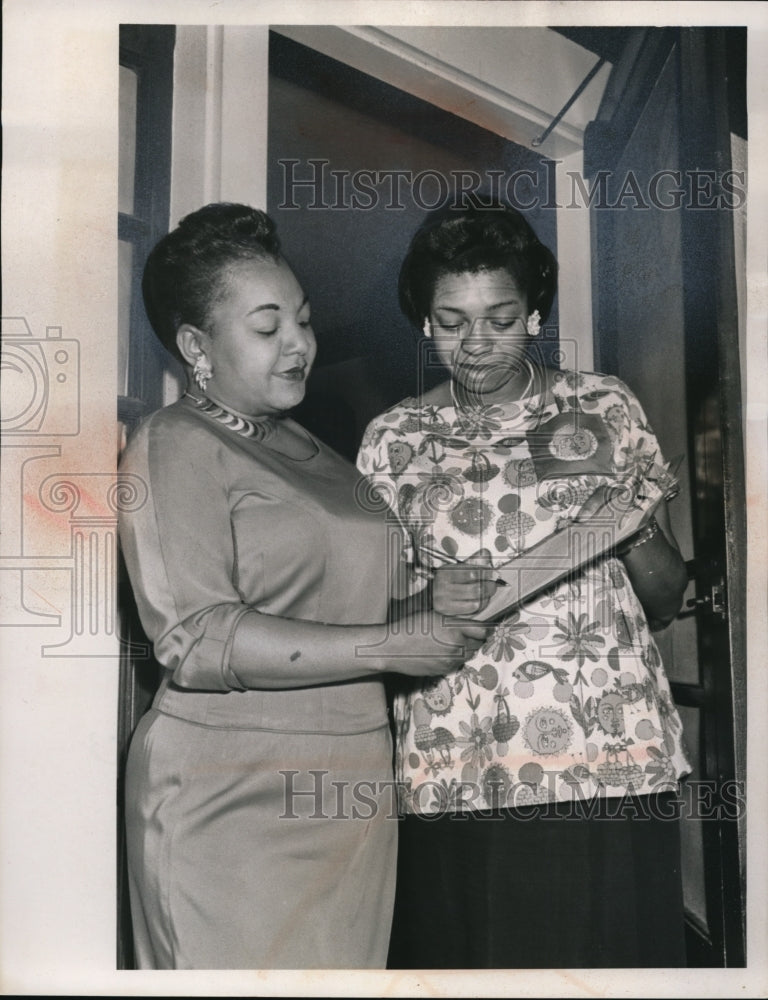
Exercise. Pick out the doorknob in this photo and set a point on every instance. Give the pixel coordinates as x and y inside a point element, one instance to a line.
<point>714,601</point>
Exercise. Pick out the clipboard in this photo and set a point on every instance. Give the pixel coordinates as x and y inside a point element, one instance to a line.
<point>576,545</point>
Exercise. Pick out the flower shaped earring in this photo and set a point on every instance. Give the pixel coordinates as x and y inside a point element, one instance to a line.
<point>202,372</point>
<point>533,324</point>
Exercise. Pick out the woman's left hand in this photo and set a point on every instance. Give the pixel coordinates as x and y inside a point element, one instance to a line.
<point>462,589</point>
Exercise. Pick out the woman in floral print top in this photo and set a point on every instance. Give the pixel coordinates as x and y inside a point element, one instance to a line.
<point>567,703</point>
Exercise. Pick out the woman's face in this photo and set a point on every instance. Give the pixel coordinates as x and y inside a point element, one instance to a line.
<point>260,344</point>
<point>479,330</point>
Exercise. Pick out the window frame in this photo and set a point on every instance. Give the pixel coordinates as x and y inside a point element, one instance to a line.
<point>148,51</point>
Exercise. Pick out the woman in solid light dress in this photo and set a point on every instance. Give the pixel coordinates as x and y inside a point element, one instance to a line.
<point>258,786</point>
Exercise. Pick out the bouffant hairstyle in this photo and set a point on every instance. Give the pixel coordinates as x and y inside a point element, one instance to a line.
<point>186,273</point>
<point>478,238</point>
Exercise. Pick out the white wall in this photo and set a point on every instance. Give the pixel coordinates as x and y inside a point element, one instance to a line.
<point>219,117</point>
<point>219,131</point>
<point>575,274</point>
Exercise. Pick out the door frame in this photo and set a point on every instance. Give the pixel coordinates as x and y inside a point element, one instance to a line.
<point>710,317</point>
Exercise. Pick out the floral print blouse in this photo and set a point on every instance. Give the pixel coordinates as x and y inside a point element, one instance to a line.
<point>567,699</point>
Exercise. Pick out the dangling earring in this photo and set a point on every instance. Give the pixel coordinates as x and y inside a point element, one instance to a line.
<point>533,324</point>
<point>427,328</point>
<point>202,372</point>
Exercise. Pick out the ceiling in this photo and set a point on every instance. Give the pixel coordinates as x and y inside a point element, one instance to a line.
<point>498,77</point>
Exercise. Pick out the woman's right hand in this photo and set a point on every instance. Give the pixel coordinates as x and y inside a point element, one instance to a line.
<point>464,588</point>
<point>426,644</point>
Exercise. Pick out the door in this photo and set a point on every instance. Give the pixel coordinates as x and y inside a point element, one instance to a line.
<point>664,198</point>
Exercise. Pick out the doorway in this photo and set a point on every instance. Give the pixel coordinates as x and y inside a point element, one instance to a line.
<point>666,320</point>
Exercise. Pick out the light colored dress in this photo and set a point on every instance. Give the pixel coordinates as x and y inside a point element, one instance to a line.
<point>567,699</point>
<point>251,843</point>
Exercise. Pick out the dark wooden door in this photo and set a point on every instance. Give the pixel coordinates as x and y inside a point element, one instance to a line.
<point>664,202</point>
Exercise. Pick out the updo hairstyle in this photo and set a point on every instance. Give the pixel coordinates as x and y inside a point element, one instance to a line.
<point>186,272</point>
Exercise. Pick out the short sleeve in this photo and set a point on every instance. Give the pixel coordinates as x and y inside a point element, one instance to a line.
<point>179,553</point>
<point>642,451</point>
<point>373,461</point>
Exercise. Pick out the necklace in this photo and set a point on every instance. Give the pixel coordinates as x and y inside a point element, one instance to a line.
<point>464,399</point>
<point>256,430</point>
<point>261,429</point>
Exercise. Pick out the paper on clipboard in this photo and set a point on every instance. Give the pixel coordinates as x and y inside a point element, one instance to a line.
<point>558,556</point>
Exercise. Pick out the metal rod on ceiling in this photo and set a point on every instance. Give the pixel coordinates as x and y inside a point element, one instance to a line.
<point>540,138</point>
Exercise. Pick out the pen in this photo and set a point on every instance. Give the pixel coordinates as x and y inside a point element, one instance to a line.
<point>452,560</point>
